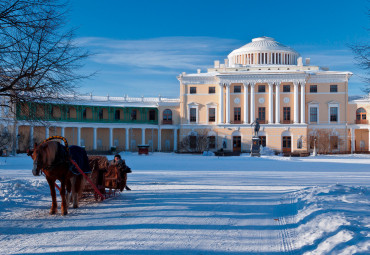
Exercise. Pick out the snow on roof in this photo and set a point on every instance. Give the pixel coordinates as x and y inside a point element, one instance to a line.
<point>120,101</point>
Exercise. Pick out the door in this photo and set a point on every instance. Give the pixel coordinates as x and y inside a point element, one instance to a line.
<point>237,143</point>
<point>287,143</point>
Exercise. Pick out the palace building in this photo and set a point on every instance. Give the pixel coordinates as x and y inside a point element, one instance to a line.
<point>295,102</point>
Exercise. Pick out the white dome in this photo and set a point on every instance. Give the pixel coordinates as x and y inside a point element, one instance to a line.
<point>263,51</point>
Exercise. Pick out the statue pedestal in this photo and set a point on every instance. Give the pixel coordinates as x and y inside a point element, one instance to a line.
<point>255,150</point>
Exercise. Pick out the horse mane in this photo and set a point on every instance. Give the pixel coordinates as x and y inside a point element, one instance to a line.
<point>50,152</point>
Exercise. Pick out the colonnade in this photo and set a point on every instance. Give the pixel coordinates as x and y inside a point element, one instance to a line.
<point>249,109</point>
<point>95,135</point>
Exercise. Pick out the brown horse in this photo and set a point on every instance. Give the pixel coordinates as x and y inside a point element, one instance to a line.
<point>53,160</point>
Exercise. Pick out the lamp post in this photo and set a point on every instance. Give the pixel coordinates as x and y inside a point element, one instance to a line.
<point>314,148</point>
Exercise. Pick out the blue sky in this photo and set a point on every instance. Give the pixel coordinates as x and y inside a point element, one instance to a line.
<point>141,46</point>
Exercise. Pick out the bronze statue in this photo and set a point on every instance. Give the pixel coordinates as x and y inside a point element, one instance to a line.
<point>256,127</point>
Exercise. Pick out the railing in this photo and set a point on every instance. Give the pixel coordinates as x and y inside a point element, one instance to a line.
<point>286,122</point>
<point>166,122</point>
<point>361,122</point>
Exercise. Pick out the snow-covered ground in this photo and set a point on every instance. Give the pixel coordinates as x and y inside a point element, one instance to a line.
<point>186,204</point>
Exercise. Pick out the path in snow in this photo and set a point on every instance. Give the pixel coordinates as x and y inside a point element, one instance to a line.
<point>195,205</point>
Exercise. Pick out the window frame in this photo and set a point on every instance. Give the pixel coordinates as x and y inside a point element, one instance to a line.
<point>237,114</point>
<point>192,90</point>
<point>211,118</point>
<point>237,89</point>
<point>286,88</point>
<point>313,88</point>
<point>211,90</point>
<point>333,88</point>
<point>261,88</point>
<point>193,118</point>
<point>262,110</point>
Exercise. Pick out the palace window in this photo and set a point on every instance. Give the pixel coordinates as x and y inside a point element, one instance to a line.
<point>211,114</point>
<point>211,142</point>
<point>211,90</point>
<point>100,114</point>
<point>84,114</point>
<point>261,88</point>
<point>193,115</point>
<point>237,114</point>
<point>313,114</point>
<point>262,114</point>
<point>287,142</point>
<point>286,114</point>
<point>117,115</point>
<point>167,115</point>
<point>361,116</point>
<point>333,114</point>
<point>193,90</point>
<point>333,88</point>
<point>286,88</point>
<point>263,141</point>
<point>133,115</point>
<point>152,115</point>
<point>237,89</point>
<point>313,88</point>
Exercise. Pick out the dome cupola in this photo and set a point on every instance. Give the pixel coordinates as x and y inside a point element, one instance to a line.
<point>263,51</point>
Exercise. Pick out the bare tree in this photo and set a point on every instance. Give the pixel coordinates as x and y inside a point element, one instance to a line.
<point>39,57</point>
<point>197,142</point>
<point>325,141</point>
<point>362,58</point>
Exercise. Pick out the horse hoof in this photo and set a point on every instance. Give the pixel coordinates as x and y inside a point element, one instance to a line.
<point>75,206</point>
<point>64,213</point>
<point>52,212</point>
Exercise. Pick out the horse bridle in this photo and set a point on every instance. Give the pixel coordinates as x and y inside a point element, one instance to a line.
<point>36,168</point>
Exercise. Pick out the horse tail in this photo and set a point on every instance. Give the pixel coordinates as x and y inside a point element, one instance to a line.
<point>58,137</point>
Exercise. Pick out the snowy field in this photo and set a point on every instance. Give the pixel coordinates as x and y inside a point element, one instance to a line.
<point>186,204</point>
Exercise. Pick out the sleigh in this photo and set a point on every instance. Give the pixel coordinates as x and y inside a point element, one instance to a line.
<point>105,179</point>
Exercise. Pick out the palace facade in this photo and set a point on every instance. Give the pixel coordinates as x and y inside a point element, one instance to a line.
<point>294,101</point>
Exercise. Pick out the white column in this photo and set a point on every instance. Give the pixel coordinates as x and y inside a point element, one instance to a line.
<point>352,140</point>
<point>95,144</point>
<point>78,136</point>
<point>271,103</point>
<point>110,138</point>
<point>175,139</point>
<point>143,136</point>
<point>221,104</point>
<point>303,103</point>
<point>227,103</point>
<point>245,117</point>
<point>127,139</point>
<point>277,102</point>
<point>296,120</point>
<point>31,136</point>
<point>159,139</point>
<point>47,132</point>
<point>252,102</point>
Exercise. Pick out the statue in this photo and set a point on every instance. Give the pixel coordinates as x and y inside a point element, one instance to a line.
<point>256,141</point>
<point>256,127</point>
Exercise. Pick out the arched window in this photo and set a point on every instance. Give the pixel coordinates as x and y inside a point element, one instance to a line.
<point>167,116</point>
<point>361,116</point>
